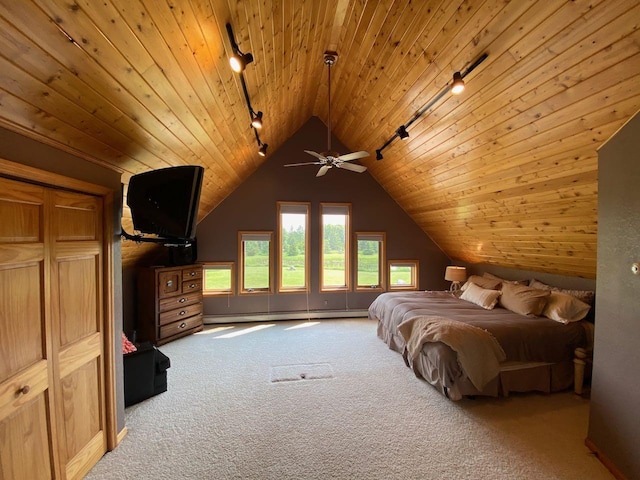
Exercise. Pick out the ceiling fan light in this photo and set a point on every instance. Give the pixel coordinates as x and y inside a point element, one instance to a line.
<point>239,61</point>
<point>402,132</point>
<point>256,120</point>
<point>263,150</point>
<point>379,155</point>
<point>458,84</point>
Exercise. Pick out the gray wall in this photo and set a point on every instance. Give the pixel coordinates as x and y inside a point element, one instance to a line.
<point>562,281</point>
<point>614,424</point>
<point>252,206</point>
<point>20,149</point>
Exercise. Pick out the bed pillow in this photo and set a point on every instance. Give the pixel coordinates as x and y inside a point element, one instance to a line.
<point>504,280</point>
<point>484,297</point>
<point>586,296</point>
<point>483,282</point>
<point>565,308</point>
<point>523,300</point>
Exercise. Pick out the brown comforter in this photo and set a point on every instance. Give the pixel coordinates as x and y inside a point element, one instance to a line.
<point>523,339</point>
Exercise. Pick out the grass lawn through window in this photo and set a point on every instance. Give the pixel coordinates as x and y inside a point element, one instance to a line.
<point>256,272</point>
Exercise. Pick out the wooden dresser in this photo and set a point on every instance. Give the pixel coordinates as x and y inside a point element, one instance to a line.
<point>169,303</point>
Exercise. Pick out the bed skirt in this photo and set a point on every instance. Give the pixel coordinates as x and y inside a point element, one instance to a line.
<point>513,376</point>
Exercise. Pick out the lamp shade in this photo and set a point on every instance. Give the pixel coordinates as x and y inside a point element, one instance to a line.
<point>455,274</point>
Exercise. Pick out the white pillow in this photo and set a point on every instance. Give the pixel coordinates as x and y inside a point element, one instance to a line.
<point>483,297</point>
<point>565,308</point>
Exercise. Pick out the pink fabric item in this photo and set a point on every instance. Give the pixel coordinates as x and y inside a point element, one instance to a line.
<point>127,346</point>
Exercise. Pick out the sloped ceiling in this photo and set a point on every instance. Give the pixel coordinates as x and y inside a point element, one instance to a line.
<point>505,173</point>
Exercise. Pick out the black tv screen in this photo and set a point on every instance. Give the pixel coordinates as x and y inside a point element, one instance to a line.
<point>165,202</point>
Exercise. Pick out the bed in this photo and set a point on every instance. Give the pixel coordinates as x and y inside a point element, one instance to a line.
<point>535,353</point>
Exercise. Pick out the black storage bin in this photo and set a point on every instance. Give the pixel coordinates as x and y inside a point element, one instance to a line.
<point>145,374</point>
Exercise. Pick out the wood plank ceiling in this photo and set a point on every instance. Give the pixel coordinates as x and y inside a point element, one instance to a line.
<point>504,174</point>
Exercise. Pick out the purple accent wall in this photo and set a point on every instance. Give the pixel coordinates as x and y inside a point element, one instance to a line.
<point>252,206</point>
<point>614,423</point>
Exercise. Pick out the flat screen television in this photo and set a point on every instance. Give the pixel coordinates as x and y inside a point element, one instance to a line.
<point>164,202</point>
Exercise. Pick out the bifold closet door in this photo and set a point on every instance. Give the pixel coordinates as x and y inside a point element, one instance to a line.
<point>26,382</point>
<point>75,240</point>
<point>52,414</point>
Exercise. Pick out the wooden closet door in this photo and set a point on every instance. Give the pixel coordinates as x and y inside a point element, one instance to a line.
<point>77,310</point>
<point>26,384</point>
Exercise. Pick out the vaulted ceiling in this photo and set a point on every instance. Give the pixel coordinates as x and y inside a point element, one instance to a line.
<point>505,173</point>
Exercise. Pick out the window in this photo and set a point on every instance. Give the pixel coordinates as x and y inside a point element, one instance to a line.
<point>369,261</point>
<point>255,260</point>
<point>403,275</point>
<point>334,247</point>
<point>293,247</point>
<point>219,278</point>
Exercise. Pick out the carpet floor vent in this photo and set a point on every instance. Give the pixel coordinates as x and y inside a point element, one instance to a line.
<point>293,373</point>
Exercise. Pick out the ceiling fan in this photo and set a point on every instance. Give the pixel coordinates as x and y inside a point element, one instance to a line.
<point>330,159</point>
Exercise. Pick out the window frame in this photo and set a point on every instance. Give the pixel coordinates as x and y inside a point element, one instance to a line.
<point>307,245</point>
<point>219,265</point>
<point>241,274</point>
<point>380,287</point>
<point>415,264</point>
<point>347,261</point>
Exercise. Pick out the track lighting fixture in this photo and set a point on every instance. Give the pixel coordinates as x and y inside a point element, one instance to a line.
<point>256,120</point>
<point>238,62</point>
<point>458,84</point>
<point>402,132</point>
<point>456,87</point>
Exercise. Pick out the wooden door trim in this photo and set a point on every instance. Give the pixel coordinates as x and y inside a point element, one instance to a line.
<point>34,175</point>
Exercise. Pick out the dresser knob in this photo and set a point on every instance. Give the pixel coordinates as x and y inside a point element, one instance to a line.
<point>193,285</point>
<point>24,390</point>
<point>183,324</point>
<point>193,274</point>
<point>182,312</point>
<point>182,300</point>
<point>169,283</point>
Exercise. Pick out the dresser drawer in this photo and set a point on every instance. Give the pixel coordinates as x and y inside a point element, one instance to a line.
<point>180,313</point>
<point>194,285</point>
<point>180,326</point>
<point>179,301</point>
<point>169,283</point>
<point>191,273</point>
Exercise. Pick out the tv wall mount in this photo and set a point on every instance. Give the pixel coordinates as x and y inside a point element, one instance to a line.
<point>167,242</point>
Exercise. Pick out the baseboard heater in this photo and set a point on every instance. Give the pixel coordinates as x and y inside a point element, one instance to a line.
<point>271,317</point>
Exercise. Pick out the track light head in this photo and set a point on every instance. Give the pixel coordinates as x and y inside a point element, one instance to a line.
<point>263,150</point>
<point>379,155</point>
<point>402,132</point>
<point>458,84</point>
<point>239,61</point>
<point>256,120</point>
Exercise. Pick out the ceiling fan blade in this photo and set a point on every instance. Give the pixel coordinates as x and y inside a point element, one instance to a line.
<point>323,169</point>
<point>303,163</point>
<point>353,156</point>
<point>317,155</point>
<point>352,166</point>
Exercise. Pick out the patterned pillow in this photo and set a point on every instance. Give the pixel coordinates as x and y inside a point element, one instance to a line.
<point>586,296</point>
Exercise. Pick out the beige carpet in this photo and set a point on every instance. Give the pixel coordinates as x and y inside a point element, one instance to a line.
<point>223,416</point>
